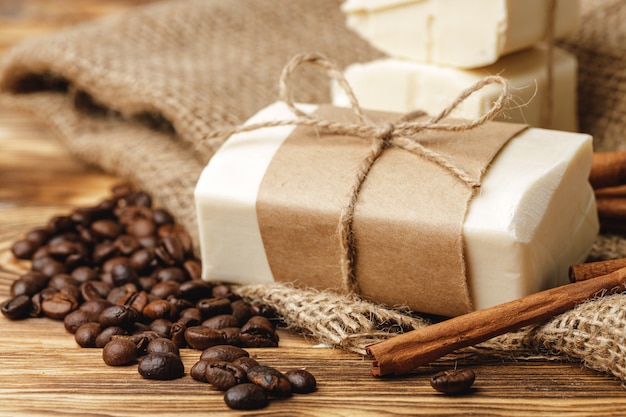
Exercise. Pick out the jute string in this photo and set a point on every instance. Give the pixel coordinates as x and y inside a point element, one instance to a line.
<point>400,134</point>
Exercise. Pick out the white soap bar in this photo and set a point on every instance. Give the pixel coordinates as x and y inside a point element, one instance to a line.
<point>534,215</point>
<point>459,33</point>
<point>402,86</point>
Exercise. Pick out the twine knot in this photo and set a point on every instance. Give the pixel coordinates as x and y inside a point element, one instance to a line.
<point>400,134</point>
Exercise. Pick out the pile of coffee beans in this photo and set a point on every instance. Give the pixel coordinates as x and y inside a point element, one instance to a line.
<point>122,276</point>
<point>246,383</point>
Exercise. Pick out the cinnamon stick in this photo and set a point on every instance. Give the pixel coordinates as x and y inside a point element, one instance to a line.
<point>608,169</point>
<point>581,272</point>
<point>406,352</point>
<point>611,192</point>
<point>614,208</point>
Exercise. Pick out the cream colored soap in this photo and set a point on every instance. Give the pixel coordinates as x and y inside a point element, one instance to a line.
<point>402,86</point>
<point>459,33</point>
<point>534,215</point>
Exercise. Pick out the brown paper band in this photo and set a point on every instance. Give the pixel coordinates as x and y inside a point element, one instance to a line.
<point>407,225</point>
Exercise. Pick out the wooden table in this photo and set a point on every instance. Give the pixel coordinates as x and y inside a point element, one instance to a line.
<point>44,372</point>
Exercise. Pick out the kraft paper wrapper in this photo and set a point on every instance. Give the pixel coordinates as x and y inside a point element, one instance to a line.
<point>408,219</point>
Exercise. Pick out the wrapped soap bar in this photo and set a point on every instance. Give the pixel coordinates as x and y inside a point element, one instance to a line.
<point>402,86</point>
<point>269,203</point>
<point>459,33</point>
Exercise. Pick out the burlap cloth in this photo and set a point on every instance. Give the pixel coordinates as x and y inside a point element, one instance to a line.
<point>136,94</point>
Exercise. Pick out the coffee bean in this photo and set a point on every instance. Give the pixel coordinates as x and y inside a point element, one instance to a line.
<point>87,334</point>
<point>258,332</point>
<point>29,283</point>
<point>231,335</point>
<point>58,305</point>
<point>77,318</point>
<point>107,229</point>
<point>453,381</point>
<point>16,308</point>
<point>171,274</point>
<point>38,236</point>
<point>226,353</point>
<point>107,334</point>
<point>221,321</point>
<point>84,273</point>
<point>210,307</point>
<point>302,381</point>
<point>166,289</point>
<point>245,363</point>
<point>95,290</point>
<point>162,345</point>
<point>162,366</point>
<point>241,311</point>
<point>118,315</point>
<point>223,375</point>
<point>120,351</point>
<point>198,369</point>
<point>163,326</point>
<point>24,249</point>
<point>160,309</point>
<point>246,397</point>
<point>123,273</point>
<point>270,379</point>
<point>199,337</point>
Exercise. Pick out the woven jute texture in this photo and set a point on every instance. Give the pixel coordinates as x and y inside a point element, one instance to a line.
<point>136,94</point>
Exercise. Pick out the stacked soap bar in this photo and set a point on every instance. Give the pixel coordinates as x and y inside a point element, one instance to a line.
<point>534,216</point>
<point>437,48</point>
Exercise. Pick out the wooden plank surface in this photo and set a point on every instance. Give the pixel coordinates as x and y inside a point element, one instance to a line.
<point>43,371</point>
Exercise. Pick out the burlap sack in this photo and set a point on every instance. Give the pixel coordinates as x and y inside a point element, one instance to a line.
<point>136,94</point>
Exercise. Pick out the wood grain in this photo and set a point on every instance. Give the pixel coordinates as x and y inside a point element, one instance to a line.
<point>43,371</point>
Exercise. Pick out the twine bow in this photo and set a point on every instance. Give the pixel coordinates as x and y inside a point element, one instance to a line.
<point>399,134</point>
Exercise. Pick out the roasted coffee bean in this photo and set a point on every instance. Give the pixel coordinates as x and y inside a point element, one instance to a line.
<point>77,318</point>
<point>107,334</point>
<point>171,274</point>
<point>224,375</point>
<point>94,290</point>
<point>195,290</point>
<point>84,273</point>
<point>198,369</point>
<point>166,289</point>
<point>146,283</point>
<point>38,236</point>
<point>104,251</point>
<point>223,291</point>
<point>29,283</point>
<point>61,250</point>
<point>160,309</point>
<point>87,334</point>
<point>161,217</point>
<point>118,315</point>
<point>139,198</point>
<point>177,333</point>
<point>241,311</point>
<point>143,259</point>
<point>454,381</point>
<point>221,321</point>
<point>194,271</point>
<point>210,307</point>
<point>163,326</point>
<point>52,267</point>
<point>59,281</point>
<point>199,337</point>
<point>226,353</point>
<point>122,274</point>
<point>245,363</point>
<point>24,249</point>
<point>35,305</point>
<point>170,250</point>
<point>141,228</point>
<point>59,224</point>
<point>231,335</point>
<point>120,351</point>
<point>270,379</point>
<point>302,381</point>
<point>162,345</point>
<point>246,397</point>
<point>137,300</point>
<point>17,307</point>
<point>58,305</point>
<point>258,332</point>
<point>182,305</point>
<point>106,229</point>
<point>119,293</point>
<point>126,244</point>
<point>163,366</point>
<point>95,306</point>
